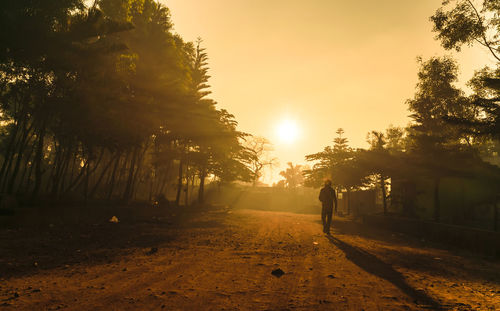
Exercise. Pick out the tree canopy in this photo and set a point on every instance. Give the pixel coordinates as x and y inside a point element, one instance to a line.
<point>106,101</point>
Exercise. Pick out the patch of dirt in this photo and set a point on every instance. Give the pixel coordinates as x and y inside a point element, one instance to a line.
<point>220,259</point>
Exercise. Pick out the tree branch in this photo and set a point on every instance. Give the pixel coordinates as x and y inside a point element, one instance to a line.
<point>485,43</point>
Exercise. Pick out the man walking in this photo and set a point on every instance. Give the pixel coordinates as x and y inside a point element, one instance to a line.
<point>327,197</point>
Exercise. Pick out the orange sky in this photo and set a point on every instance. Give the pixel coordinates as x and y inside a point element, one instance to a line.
<point>323,63</point>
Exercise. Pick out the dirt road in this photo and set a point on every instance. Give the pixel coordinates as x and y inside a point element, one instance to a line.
<point>222,259</point>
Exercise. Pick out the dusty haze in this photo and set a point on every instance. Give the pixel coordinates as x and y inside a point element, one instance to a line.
<point>325,64</point>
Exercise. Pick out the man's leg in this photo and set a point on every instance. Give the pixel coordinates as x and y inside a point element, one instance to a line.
<point>323,217</point>
<point>328,219</point>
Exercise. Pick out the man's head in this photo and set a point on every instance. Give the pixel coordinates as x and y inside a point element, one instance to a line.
<point>328,183</point>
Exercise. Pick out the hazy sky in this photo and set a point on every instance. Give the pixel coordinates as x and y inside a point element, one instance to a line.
<point>323,64</point>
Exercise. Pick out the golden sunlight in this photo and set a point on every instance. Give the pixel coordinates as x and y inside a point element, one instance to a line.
<point>287,131</point>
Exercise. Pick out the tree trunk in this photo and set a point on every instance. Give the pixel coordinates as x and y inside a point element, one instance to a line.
<point>112,179</point>
<point>348,201</point>
<point>25,169</point>
<point>8,154</point>
<point>151,183</point>
<point>27,185</point>
<point>100,178</point>
<point>38,163</point>
<point>76,181</point>
<point>59,176</point>
<point>191,189</point>
<point>61,161</point>
<point>495,215</point>
<point>186,190</point>
<point>23,144</point>
<point>86,185</point>
<point>122,170</point>
<point>165,178</point>
<point>6,173</point>
<point>12,179</point>
<point>71,171</point>
<point>139,163</point>
<point>20,153</point>
<point>127,194</point>
<point>437,207</point>
<point>163,184</point>
<point>201,190</point>
<point>384,196</point>
<point>179,184</point>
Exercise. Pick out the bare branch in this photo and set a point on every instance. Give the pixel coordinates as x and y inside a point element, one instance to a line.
<point>485,43</point>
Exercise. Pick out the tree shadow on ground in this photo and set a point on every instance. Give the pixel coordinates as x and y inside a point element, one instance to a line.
<point>43,242</point>
<point>371,264</point>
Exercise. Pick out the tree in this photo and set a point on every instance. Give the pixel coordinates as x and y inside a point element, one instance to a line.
<point>486,99</point>
<point>466,23</point>
<point>395,139</point>
<point>436,100</point>
<point>105,101</point>
<point>380,162</point>
<point>258,149</point>
<point>330,157</point>
<point>340,163</point>
<point>55,69</point>
<point>293,176</point>
<point>434,139</point>
<point>230,156</point>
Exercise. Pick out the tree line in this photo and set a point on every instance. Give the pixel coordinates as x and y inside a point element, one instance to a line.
<point>451,134</point>
<point>105,101</point>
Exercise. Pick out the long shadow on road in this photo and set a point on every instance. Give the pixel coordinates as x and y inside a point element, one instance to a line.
<point>468,265</point>
<point>371,264</point>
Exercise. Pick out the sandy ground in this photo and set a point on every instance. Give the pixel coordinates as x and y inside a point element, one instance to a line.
<point>222,259</point>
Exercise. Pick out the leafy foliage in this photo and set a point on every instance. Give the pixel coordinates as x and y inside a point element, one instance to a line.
<point>293,176</point>
<point>466,23</point>
<point>105,101</point>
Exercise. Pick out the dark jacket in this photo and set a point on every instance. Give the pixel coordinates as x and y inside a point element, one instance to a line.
<point>327,196</point>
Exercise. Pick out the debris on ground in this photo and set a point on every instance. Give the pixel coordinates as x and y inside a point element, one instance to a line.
<point>278,273</point>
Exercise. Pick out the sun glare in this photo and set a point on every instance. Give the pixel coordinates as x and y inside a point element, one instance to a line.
<point>287,131</point>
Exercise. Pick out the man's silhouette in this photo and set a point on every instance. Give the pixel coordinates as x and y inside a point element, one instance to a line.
<point>327,197</point>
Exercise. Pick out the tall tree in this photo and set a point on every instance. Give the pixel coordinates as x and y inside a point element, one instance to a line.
<point>433,138</point>
<point>436,99</point>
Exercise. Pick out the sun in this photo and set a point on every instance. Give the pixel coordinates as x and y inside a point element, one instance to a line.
<point>287,131</point>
